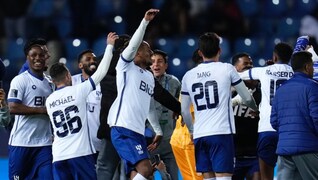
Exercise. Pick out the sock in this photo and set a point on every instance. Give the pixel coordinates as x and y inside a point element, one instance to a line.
<point>209,178</point>
<point>139,177</point>
<point>224,178</point>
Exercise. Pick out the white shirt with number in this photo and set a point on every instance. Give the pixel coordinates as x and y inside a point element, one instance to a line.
<point>30,130</point>
<point>67,110</point>
<point>271,77</point>
<point>209,87</point>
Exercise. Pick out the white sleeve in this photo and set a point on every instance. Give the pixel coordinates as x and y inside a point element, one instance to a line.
<point>246,95</point>
<point>103,65</point>
<point>185,111</point>
<point>153,118</point>
<point>130,51</point>
<point>244,75</point>
<point>314,55</point>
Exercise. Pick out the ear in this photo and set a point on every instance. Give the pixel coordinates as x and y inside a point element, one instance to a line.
<point>80,65</point>
<point>200,53</point>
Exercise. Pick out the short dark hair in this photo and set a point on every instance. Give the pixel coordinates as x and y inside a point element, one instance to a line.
<point>122,42</point>
<point>209,44</point>
<point>79,57</point>
<point>283,51</point>
<point>58,71</point>
<point>300,59</point>
<point>161,53</point>
<point>196,58</point>
<point>237,56</point>
<point>30,43</point>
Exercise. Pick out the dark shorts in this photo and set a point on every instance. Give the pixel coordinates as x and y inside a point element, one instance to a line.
<point>245,167</point>
<point>76,168</point>
<point>30,162</point>
<point>214,154</point>
<point>131,146</point>
<point>266,147</point>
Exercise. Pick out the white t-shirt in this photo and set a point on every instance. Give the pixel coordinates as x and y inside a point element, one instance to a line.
<point>30,130</point>
<point>135,89</point>
<point>209,87</point>
<point>93,110</point>
<point>67,110</point>
<point>271,77</point>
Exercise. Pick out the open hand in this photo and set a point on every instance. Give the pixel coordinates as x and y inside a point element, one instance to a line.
<point>150,14</point>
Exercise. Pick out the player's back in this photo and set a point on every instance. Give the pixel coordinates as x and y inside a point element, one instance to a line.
<point>209,85</point>
<point>67,110</point>
<point>271,78</point>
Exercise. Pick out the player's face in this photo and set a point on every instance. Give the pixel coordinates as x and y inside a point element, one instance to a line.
<point>159,66</point>
<point>88,63</point>
<point>244,63</point>
<point>145,53</point>
<point>36,58</point>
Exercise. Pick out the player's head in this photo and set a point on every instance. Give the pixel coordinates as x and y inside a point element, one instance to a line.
<point>60,74</point>
<point>209,46</point>
<point>87,62</point>
<point>143,55</point>
<point>196,58</point>
<point>242,61</point>
<point>302,62</point>
<point>36,58</point>
<point>282,53</point>
<point>43,44</point>
<point>159,62</point>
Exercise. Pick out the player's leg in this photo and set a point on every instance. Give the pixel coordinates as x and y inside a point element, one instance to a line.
<point>253,172</point>
<point>43,163</point>
<point>266,149</point>
<point>20,162</point>
<point>61,170</point>
<point>221,155</point>
<point>83,167</point>
<point>132,148</point>
<point>202,157</point>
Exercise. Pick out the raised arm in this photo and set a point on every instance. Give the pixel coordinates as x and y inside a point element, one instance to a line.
<point>105,62</point>
<point>246,95</point>
<point>130,52</point>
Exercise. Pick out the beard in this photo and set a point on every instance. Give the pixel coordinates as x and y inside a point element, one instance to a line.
<point>90,71</point>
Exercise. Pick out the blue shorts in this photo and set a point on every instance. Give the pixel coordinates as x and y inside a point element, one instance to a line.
<point>76,168</point>
<point>131,146</point>
<point>266,147</point>
<point>245,167</point>
<point>30,162</point>
<point>215,154</point>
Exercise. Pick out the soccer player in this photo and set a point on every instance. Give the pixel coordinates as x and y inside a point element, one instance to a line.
<point>246,123</point>
<point>88,65</point>
<point>166,121</point>
<point>130,109</point>
<point>270,77</point>
<point>208,88</point>
<point>72,147</point>
<point>30,143</point>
